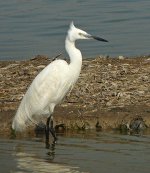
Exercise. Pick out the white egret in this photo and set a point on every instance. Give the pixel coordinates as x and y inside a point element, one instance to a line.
<point>51,85</point>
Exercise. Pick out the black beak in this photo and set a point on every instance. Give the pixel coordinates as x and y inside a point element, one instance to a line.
<point>95,37</point>
<point>98,38</point>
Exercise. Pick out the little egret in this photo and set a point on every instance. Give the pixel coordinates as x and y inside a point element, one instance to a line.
<point>51,85</point>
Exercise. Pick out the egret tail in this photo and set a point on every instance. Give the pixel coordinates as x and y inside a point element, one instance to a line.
<point>23,117</point>
<point>19,121</point>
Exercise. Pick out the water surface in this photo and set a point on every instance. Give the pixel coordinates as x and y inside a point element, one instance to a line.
<point>92,152</point>
<point>28,28</point>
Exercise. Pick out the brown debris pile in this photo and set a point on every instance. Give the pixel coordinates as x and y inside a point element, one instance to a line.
<point>105,84</point>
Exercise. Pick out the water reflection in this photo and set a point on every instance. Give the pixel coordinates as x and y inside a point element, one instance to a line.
<point>31,157</point>
<point>27,162</point>
<point>87,151</point>
<point>51,152</point>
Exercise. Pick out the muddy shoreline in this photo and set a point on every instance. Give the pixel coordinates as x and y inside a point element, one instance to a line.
<point>110,92</point>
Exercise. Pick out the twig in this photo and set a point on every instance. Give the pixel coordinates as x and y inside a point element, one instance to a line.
<point>56,57</point>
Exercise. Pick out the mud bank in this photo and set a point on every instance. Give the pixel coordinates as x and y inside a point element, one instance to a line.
<point>110,92</point>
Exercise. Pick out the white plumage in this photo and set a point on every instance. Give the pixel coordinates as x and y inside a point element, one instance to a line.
<point>52,83</point>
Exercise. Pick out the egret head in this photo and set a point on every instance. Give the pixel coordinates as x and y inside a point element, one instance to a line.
<point>76,33</point>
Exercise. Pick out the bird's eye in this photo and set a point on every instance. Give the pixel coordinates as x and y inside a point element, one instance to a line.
<point>80,34</point>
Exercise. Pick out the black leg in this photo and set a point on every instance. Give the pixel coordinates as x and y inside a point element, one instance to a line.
<point>47,133</point>
<point>49,128</point>
<point>52,130</point>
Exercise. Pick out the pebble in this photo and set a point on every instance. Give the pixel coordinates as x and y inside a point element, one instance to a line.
<point>121,57</point>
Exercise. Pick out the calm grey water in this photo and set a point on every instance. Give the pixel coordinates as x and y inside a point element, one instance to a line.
<point>28,28</point>
<point>92,152</point>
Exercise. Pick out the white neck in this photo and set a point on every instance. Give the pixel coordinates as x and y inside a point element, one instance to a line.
<point>74,54</point>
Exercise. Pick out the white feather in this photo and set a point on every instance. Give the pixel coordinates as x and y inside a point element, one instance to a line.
<point>47,90</point>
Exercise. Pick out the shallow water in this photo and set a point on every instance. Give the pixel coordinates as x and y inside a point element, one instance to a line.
<point>91,152</point>
<point>28,28</point>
